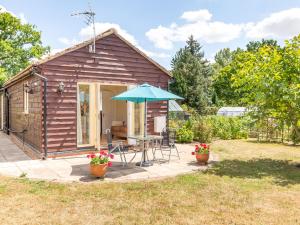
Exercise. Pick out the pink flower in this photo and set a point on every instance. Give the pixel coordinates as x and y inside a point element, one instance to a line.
<point>102,152</point>
<point>193,153</point>
<point>92,156</point>
<point>111,156</point>
<point>109,164</point>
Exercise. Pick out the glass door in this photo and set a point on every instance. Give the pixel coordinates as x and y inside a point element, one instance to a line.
<point>84,115</point>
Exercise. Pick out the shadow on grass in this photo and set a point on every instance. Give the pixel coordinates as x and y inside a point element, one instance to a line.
<point>283,172</point>
<point>288,144</point>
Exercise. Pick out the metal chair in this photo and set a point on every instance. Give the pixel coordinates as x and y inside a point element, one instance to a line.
<point>167,144</point>
<point>119,147</point>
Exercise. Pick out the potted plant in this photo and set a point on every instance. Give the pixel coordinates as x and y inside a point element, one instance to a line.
<point>99,163</point>
<point>202,153</point>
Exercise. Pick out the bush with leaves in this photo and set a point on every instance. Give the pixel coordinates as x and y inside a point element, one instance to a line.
<point>185,134</point>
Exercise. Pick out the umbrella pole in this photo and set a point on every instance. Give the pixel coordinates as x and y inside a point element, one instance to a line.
<point>145,162</point>
<point>145,120</point>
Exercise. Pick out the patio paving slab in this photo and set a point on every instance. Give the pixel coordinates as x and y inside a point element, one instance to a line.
<point>14,162</point>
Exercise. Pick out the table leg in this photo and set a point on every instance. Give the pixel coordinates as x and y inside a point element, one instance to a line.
<point>145,162</point>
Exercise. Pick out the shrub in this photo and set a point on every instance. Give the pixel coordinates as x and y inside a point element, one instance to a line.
<point>206,128</point>
<point>202,131</point>
<point>184,134</point>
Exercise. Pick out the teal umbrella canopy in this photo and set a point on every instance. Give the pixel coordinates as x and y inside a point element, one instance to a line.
<point>146,93</point>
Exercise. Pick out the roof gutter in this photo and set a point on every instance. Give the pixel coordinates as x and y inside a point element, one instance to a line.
<point>45,80</point>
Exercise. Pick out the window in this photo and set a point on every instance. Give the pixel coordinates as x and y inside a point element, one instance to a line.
<point>26,98</point>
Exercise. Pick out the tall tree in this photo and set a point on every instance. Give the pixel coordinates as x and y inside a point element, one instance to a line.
<point>226,65</point>
<point>19,44</point>
<point>270,82</point>
<point>223,92</point>
<point>192,74</point>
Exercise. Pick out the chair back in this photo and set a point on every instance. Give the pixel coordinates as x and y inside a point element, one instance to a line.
<point>172,137</point>
<point>165,138</point>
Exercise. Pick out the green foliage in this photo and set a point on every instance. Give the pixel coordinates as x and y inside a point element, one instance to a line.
<point>222,127</point>
<point>227,65</point>
<point>254,46</point>
<point>192,76</point>
<point>206,128</point>
<point>224,93</point>
<point>3,76</point>
<point>19,44</point>
<point>269,83</point>
<point>185,134</point>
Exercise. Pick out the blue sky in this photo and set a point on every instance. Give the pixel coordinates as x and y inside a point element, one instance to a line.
<point>161,27</point>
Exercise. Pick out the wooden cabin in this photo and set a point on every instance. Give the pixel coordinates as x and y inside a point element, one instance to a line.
<point>62,104</point>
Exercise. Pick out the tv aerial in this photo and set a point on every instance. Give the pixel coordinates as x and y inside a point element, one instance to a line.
<point>89,16</point>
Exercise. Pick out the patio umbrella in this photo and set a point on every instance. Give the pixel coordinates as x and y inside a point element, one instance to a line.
<point>145,93</point>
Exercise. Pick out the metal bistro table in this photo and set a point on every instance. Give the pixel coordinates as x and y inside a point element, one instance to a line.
<point>145,162</point>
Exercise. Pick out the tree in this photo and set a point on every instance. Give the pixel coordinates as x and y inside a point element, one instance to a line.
<point>227,64</point>
<point>254,46</point>
<point>222,73</point>
<point>192,74</point>
<point>19,44</point>
<point>270,83</point>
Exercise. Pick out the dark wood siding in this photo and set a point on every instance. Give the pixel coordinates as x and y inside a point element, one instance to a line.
<point>20,121</point>
<point>113,62</point>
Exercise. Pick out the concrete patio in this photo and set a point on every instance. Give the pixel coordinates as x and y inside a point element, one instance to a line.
<point>13,162</point>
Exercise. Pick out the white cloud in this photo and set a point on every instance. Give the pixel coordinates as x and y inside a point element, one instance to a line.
<point>67,41</point>
<point>283,24</point>
<point>200,25</point>
<point>200,15</point>
<point>87,32</point>
<point>3,9</point>
<point>21,15</point>
<point>23,18</point>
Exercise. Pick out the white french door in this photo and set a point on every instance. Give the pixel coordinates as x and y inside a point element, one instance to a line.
<point>85,114</point>
<point>91,101</point>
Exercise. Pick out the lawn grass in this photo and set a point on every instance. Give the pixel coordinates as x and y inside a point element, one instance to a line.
<point>253,184</point>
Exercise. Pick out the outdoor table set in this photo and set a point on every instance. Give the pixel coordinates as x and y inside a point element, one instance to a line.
<point>143,94</point>
<point>145,142</point>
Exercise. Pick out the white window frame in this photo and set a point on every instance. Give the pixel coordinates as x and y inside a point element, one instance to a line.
<point>26,101</point>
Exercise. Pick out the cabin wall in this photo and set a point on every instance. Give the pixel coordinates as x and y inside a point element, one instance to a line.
<point>113,63</point>
<point>20,121</point>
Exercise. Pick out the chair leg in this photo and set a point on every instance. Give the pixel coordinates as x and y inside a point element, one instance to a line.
<point>170,154</point>
<point>177,152</point>
<point>125,161</point>
<point>132,157</point>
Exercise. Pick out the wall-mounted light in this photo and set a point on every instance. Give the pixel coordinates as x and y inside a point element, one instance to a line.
<point>29,88</point>
<point>61,87</point>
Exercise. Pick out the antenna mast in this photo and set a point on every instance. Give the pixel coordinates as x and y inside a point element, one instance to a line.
<point>89,16</point>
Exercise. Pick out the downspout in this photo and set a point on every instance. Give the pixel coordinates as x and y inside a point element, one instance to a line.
<point>45,113</point>
<point>7,112</point>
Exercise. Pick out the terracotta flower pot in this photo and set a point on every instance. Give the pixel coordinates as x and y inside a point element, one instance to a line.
<point>202,158</point>
<point>98,170</point>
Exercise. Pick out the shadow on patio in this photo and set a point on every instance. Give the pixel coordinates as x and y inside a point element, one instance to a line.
<point>283,172</point>
<point>116,171</point>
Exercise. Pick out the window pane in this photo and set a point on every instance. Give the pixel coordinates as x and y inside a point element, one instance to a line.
<point>84,126</point>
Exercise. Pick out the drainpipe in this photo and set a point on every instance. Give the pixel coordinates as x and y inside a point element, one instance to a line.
<point>45,114</point>
<point>7,112</point>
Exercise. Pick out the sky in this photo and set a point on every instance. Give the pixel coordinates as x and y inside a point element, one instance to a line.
<point>161,27</point>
